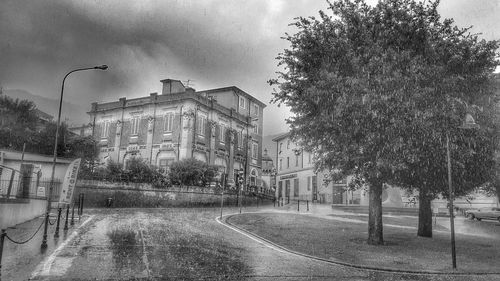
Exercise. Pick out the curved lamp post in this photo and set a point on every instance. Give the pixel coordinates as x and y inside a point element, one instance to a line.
<point>100,67</point>
<point>469,123</point>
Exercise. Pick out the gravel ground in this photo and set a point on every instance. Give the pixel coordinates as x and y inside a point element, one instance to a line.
<point>345,241</point>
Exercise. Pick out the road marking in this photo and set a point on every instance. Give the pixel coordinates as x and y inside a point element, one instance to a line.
<point>248,235</point>
<point>144,255</point>
<point>43,269</point>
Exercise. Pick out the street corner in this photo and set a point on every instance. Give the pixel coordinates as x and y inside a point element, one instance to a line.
<point>57,261</point>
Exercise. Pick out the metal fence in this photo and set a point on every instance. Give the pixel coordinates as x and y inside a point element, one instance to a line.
<point>29,188</point>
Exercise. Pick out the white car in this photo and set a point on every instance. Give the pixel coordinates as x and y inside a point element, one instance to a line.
<point>490,213</point>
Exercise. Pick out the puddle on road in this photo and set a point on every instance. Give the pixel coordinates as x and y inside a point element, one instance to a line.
<point>126,250</point>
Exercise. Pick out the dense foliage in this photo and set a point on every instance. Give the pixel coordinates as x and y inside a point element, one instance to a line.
<point>20,126</point>
<point>376,90</point>
<point>18,120</point>
<point>137,171</point>
<point>192,172</point>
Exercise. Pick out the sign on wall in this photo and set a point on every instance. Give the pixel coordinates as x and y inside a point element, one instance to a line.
<point>69,182</point>
<point>40,191</point>
<point>288,176</point>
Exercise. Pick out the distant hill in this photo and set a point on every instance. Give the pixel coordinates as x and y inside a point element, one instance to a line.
<point>73,114</point>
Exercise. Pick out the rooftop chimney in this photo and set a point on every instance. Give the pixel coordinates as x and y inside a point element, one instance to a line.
<point>171,86</point>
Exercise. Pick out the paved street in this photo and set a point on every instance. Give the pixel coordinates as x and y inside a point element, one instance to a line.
<point>185,244</point>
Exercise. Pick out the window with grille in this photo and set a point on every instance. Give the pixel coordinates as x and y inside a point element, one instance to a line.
<point>255,128</point>
<point>243,103</point>
<point>168,124</point>
<point>240,139</point>
<point>201,123</point>
<point>222,133</point>
<point>135,125</point>
<point>255,109</point>
<point>255,150</point>
<point>105,129</point>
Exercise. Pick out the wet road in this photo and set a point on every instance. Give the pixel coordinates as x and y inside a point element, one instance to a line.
<point>187,244</point>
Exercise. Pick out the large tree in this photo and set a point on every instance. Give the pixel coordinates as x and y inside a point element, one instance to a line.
<point>452,77</point>
<point>18,120</point>
<point>356,83</point>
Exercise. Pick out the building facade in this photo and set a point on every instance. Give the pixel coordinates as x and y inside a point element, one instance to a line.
<point>220,126</point>
<point>296,179</point>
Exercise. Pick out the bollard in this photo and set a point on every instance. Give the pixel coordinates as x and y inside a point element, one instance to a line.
<point>81,205</point>
<point>66,221</point>
<point>307,202</point>
<point>58,220</point>
<point>73,215</point>
<point>298,205</point>
<point>221,202</point>
<point>2,237</point>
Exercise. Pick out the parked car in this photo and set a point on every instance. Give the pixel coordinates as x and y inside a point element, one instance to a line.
<point>490,213</point>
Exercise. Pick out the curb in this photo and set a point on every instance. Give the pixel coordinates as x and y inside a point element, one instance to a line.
<point>225,222</point>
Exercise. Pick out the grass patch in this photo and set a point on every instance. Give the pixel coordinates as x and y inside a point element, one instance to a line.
<point>346,241</point>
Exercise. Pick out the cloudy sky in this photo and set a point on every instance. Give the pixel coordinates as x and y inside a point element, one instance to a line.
<point>213,43</point>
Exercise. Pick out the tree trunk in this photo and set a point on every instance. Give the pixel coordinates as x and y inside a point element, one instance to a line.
<point>498,193</point>
<point>375,230</point>
<point>424,215</point>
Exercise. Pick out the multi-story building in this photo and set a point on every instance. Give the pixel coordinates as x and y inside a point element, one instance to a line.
<point>296,178</point>
<point>219,126</point>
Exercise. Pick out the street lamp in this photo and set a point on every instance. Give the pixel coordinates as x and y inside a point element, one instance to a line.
<point>469,123</point>
<point>100,67</point>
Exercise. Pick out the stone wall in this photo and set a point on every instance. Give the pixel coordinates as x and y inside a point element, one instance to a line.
<point>15,211</point>
<point>95,196</point>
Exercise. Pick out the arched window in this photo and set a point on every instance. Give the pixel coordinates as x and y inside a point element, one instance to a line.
<point>253,177</point>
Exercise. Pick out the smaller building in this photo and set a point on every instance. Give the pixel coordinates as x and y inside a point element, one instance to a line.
<point>296,179</point>
<point>83,130</point>
<point>21,176</point>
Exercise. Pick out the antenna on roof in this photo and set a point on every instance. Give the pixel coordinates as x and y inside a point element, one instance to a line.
<point>188,83</point>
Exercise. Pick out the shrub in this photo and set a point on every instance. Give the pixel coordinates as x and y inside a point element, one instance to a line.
<point>192,172</point>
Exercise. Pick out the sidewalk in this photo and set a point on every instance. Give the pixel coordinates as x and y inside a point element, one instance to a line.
<point>19,260</point>
<point>359,215</point>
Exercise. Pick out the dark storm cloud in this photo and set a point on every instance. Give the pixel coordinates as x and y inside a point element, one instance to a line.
<point>216,43</point>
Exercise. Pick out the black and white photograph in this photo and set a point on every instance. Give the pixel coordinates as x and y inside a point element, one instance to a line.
<point>250,140</point>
